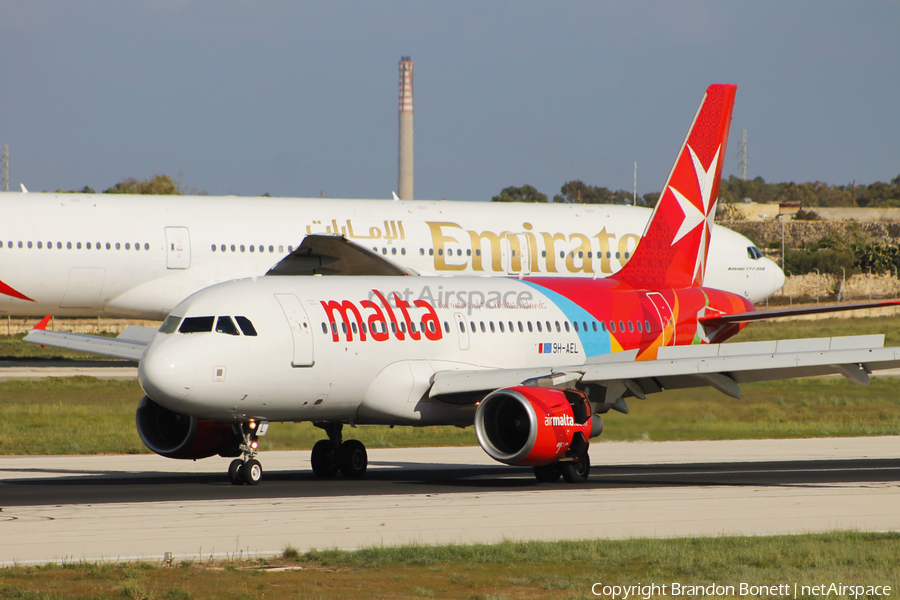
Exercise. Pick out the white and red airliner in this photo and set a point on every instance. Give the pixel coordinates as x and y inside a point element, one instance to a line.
<point>530,361</point>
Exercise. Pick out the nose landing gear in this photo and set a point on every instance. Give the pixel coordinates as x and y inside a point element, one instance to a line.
<point>247,470</point>
<point>333,455</point>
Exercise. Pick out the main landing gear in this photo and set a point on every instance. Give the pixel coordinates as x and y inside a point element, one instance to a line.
<point>573,471</point>
<point>332,455</point>
<point>247,470</point>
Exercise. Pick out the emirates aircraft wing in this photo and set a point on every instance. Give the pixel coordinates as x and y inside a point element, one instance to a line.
<point>322,254</point>
<point>721,366</point>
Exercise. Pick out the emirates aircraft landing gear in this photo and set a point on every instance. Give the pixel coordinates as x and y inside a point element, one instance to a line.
<point>333,455</point>
<point>247,470</point>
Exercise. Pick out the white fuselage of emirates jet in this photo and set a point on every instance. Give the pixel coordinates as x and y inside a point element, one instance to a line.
<point>139,256</point>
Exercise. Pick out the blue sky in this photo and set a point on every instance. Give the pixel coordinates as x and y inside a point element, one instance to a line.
<point>300,98</point>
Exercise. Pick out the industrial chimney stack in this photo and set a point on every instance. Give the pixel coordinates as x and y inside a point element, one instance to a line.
<point>405,175</point>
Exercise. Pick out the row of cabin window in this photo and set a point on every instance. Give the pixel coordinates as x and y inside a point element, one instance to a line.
<point>205,324</point>
<point>632,325</point>
<point>412,327</point>
<point>243,248</point>
<point>393,250</point>
<point>575,325</point>
<point>459,252</point>
<point>77,245</point>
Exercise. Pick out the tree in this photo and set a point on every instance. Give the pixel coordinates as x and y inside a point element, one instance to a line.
<point>578,192</point>
<point>157,185</point>
<point>526,193</point>
<point>85,190</point>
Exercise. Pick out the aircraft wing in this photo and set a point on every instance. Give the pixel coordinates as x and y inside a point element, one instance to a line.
<point>321,254</point>
<point>721,366</point>
<point>759,315</point>
<point>130,344</point>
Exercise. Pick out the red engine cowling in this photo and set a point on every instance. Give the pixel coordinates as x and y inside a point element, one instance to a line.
<point>531,426</point>
<point>175,435</point>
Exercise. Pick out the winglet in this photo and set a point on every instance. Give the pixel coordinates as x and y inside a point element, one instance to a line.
<point>396,197</point>
<point>672,252</point>
<point>44,322</point>
<point>24,191</point>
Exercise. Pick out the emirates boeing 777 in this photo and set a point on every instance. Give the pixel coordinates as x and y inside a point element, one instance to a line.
<point>139,256</point>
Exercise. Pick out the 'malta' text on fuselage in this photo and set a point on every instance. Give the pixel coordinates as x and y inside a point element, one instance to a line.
<point>369,319</point>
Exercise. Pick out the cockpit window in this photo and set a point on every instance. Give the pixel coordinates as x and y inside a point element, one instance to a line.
<point>226,325</point>
<point>246,326</point>
<point>170,325</point>
<point>754,253</point>
<point>197,325</point>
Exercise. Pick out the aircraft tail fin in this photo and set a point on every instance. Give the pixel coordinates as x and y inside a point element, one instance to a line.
<point>672,252</point>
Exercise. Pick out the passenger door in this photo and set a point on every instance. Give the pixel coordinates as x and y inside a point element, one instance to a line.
<point>665,316</point>
<point>462,330</point>
<point>178,248</point>
<point>301,330</point>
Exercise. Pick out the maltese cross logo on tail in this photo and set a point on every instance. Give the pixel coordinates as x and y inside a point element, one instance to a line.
<point>672,252</point>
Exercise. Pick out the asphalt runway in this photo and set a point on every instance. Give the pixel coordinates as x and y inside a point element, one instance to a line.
<point>41,368</point>
<point>386,478</point>
<point>68,508</point>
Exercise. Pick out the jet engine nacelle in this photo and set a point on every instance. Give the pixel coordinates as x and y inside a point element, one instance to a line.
<point>531,426</point>
<point>175,435</point>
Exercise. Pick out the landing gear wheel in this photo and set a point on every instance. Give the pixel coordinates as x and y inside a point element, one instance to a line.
<point>252,472</point>
<point>235,475</point>
<point>576,471</point>
<point>547,473</point>
<point>322,460</point>
<point>352,459</point>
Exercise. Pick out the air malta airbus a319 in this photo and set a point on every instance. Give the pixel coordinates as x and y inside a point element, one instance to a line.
<point>531,362</point>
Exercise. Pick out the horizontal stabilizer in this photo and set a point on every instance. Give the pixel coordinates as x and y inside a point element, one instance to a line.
<point>759,315</point>
<point>321,254</point>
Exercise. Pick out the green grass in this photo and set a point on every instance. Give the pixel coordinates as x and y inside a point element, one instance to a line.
<point>510,570</point>
<point>73,415</point>
<point>83,415</point>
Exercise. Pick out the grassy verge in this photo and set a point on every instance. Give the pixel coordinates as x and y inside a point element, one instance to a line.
<point>83,415</point>
<point>503,571</point>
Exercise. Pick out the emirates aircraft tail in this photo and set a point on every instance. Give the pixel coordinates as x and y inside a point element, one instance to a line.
<point>672,252</point>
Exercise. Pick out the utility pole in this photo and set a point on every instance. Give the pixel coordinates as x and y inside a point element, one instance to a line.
<point>742,156</point>
<point>634,197</point>
<point>5,167</point>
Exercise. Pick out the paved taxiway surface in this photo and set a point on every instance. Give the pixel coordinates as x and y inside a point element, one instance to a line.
<point>129,506</point>
<point>40,369</point>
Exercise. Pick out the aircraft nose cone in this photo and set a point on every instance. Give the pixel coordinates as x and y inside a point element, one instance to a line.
<point>166,371</point>
<point>777,276</point>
